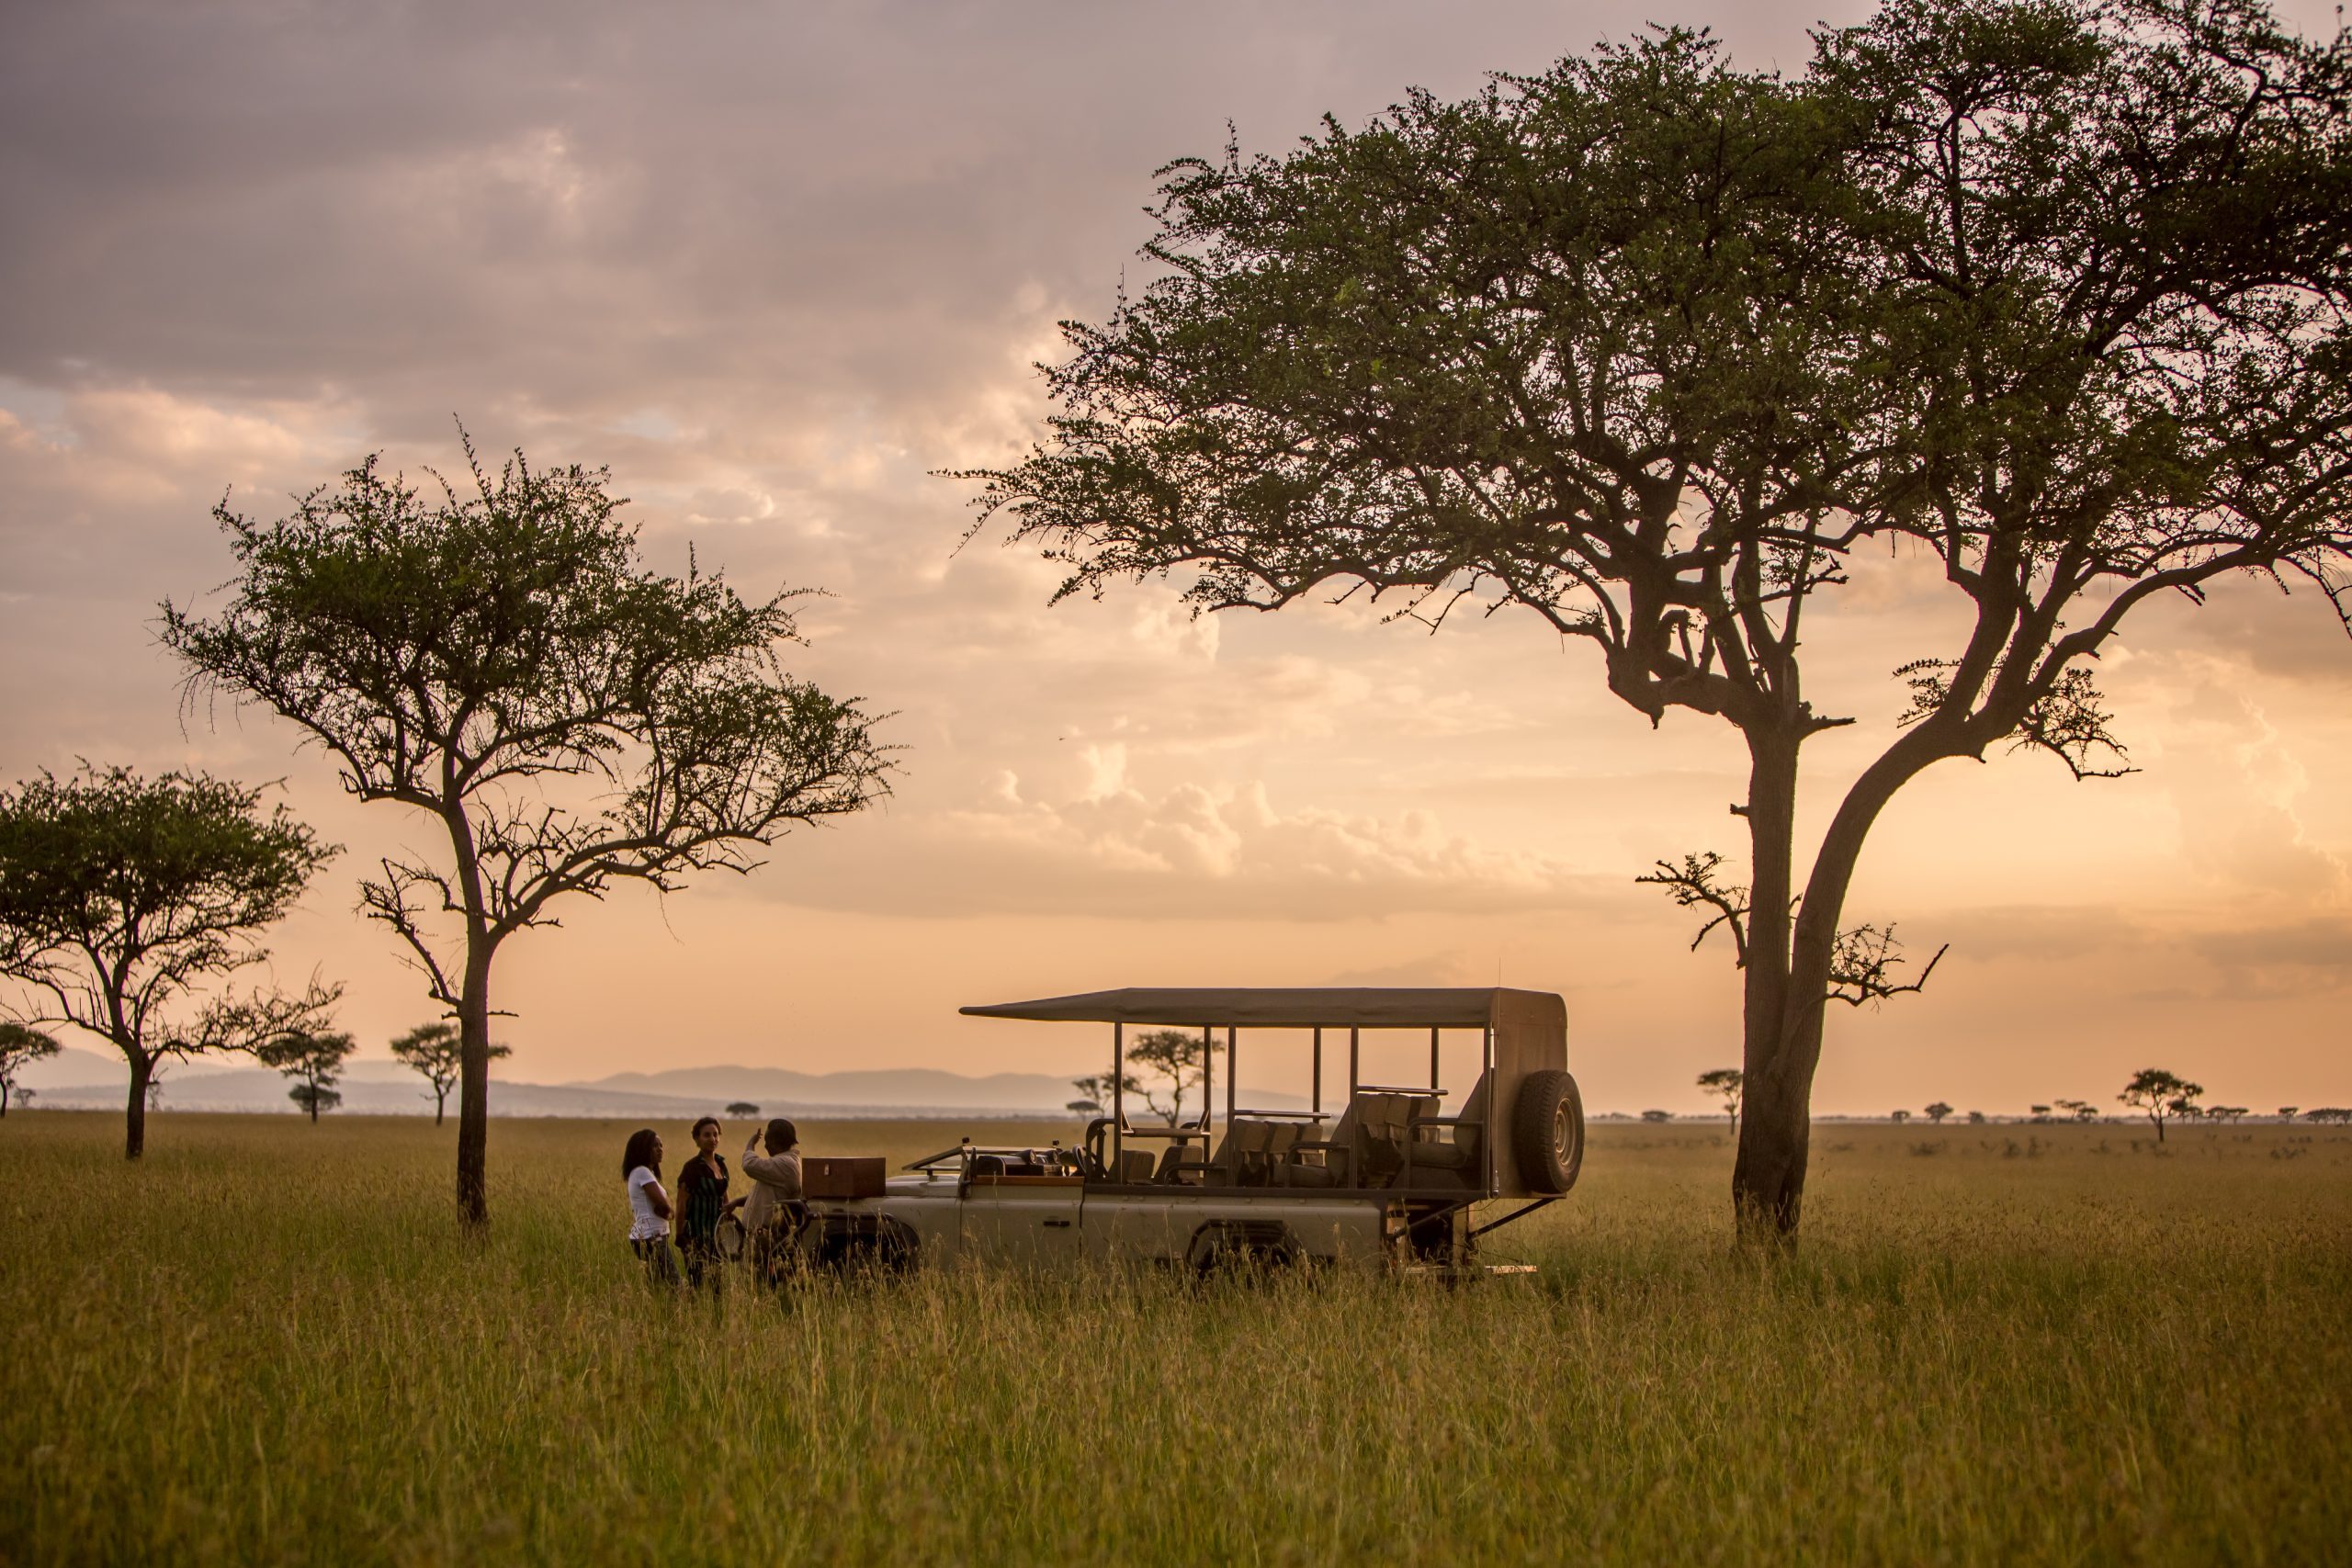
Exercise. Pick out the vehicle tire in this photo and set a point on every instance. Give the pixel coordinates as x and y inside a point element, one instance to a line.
<point>1547,1130</point>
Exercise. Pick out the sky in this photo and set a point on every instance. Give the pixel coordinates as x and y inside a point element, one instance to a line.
<point>776,265</point>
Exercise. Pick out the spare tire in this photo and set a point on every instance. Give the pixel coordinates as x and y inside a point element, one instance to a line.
<point>1547,1130</point>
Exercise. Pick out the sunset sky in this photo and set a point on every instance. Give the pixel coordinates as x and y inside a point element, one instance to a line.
<point>776,264</point>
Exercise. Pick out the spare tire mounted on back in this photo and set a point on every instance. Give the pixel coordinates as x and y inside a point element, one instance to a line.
<point>1547,1130</point>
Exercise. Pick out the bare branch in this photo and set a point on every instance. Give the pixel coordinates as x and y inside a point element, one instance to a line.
<point>1862,965</point>
<point>1693,884</point>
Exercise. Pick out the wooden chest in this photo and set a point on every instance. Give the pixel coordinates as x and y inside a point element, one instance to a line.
<point>842,1176</point>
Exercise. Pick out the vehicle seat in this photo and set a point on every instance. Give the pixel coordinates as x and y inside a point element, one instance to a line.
<point>1432,1150</point>
<point>1335,1154</point>
<point>1135,1165</point>
<point>1243,1156</point>
<point>1380,1136</point>
<point>1280,1138</point>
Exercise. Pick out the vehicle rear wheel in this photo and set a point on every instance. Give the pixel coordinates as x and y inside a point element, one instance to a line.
<point>1547,1130</point>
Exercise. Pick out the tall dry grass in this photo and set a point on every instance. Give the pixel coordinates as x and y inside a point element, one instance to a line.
<point>269,1343</point>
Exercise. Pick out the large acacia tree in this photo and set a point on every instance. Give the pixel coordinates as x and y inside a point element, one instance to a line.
<point>126,904</point>
<point>496,660</point>
<point>2053,291</point>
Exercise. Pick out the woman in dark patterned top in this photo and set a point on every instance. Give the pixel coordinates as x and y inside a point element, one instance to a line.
<point>702,1198</point>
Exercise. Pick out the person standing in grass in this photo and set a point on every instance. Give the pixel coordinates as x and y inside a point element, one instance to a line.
<point>701,1199</point>
<point>775,1187</point>
<point>648,1206</point>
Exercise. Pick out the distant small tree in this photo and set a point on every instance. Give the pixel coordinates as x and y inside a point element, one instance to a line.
<point>2336,1113</point>
<point>1094,1096</point>
<point>19,1047</point>
<point>313,1099</point>
<point>24,1097</point>
<point>1937,1112</point>
<point>1731,1084</point>
<point>2041,1112</point>
<point>2287,1113</point>
<point>122,897</point>
<point>1657,1115</point>
<point>1900,1116</point>
<point>742,1108</point>
<point>1976,1118</point>
<point>434,1050</point>
<point>315,1059</point>
<point>1175,1060</point>
<point>2079,1110</point>
<point>2159,1095</point>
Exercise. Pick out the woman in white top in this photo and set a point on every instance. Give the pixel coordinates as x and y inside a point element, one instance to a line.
<point>648,1206</point>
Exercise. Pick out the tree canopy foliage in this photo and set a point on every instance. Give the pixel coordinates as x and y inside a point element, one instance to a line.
<point>2050,293</point>
<point>123,897</point>
<point>434,1051</point>
<point>314,1058</point>
<point>2160,1095</point>
<point>1171,1062</point>
<point>497,659</point>
<point>19,1047</point>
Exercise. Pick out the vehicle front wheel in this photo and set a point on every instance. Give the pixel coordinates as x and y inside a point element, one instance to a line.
<point>1547,1130</point>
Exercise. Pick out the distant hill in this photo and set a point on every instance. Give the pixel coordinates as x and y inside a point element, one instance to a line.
<point>77,1079</point>
<point>886,1085</point>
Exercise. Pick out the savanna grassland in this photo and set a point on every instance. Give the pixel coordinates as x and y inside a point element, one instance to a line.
<point>269,1343</point>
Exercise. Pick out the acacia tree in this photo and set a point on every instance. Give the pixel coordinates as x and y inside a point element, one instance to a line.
<point>500,662</point>
<point>1094,1092</point>
<point>315,1059</point>
<point>2049,292</point>
<point>1731,1084</point>
<point>433,1050</point>
<point>2160,1096</point>
<point>1176,1059</point>
<point>122,897</point>
<point>19,1046</point>
<point>1937,1112</point>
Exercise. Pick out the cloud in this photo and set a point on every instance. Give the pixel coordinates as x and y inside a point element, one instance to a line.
<point>2315,952</point>
<point>1185,851</point>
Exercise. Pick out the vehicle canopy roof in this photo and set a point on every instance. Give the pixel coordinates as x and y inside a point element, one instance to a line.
<point>1259,1007</point>
<point>1522,1033</point>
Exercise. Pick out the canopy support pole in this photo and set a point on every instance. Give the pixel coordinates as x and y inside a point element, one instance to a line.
<point>1208,1074</point>
<point>1486,1132</point>
<point>1118,1095</point>
<point>1232,1077</point>
<point>1315,1103</point>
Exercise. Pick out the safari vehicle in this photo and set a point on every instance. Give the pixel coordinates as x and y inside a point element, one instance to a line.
<point>1383,1181</point>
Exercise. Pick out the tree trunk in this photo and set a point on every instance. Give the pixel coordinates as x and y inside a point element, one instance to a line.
<point>1790,957</point>
<point>314,1104</point>
<point>134,1137</point>
<point>473,1087</point>
<point>440,1105</point>
<point>1773,1124</point>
